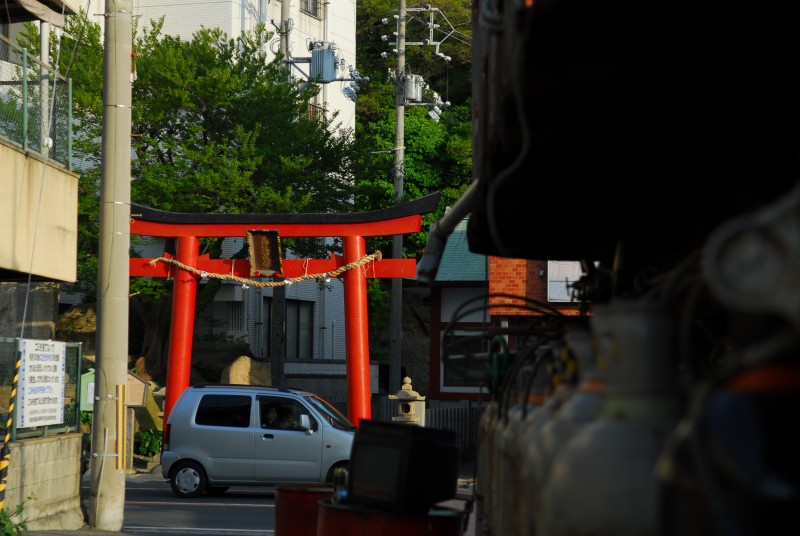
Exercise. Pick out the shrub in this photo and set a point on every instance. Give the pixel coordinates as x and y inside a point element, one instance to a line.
<point>147,442</point>
<point>13,524</point>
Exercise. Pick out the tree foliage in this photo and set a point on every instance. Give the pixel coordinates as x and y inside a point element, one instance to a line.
<point>217,127</point>
<point>437,155</point>
<point>221,121</point>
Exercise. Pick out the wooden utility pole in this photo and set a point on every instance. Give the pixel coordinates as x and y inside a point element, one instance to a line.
<point>107,484</point>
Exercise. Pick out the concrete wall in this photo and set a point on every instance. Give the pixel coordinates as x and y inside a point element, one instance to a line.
<point>38,215</point>
<point>47,469</point>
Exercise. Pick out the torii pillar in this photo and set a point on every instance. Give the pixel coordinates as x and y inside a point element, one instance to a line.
<point>352,227</point>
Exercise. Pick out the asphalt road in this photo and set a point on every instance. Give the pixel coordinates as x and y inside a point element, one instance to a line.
<point>151,508</point>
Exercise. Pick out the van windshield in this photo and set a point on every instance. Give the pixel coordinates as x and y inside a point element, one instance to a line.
<point>330,413</point>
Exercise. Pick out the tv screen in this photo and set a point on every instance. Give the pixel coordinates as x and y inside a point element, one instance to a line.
<point>402,467</point>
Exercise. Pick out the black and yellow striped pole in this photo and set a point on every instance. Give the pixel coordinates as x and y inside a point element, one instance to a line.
<point>5,456</point>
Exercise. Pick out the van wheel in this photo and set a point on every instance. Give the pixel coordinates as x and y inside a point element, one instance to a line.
<point>188,480</point>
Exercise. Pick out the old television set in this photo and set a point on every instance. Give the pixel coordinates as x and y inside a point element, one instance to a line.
<point>401,467</point>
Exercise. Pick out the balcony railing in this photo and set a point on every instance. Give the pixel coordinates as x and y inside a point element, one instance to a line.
<point>35,104</point>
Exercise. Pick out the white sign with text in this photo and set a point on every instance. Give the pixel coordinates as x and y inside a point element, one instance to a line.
<point>41,382</point>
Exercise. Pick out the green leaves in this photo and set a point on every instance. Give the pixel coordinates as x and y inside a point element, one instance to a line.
<point>218,120</point>
<point>216,127</point>
<point>12,523</point>
<point>437,157</point>
<point>147,442</point>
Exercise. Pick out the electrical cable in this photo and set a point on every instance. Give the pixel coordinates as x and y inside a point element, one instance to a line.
<point>518,81</point>
<point>535,371</point>
<point>460,312</point>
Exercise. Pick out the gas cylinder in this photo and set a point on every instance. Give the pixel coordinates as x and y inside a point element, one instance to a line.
<point>579,406</point>
<point>542,405</point>
<point>531,429</point>
<point>602,483</point>
<point>483,497</point>
<point>487,428</point>
<point>525,403</point>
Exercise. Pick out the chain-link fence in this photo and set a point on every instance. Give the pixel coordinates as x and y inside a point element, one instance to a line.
<point>9,355</point>
<point>35,104</point>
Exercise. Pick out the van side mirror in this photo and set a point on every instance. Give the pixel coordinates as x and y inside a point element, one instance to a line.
<point>305,423</point>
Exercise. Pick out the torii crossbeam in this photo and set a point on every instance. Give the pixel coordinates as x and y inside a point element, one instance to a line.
<point>186,228</point>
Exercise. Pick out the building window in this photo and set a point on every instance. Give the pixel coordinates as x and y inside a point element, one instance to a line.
<point>236,316</point>
<point>310,7</point>
<point>463,362</point>
<point>299,332</point>
<point>315,109</point>
<point>561,275</point>
<point>265,327</point>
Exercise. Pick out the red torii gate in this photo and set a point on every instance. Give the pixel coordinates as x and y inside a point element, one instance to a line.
<point>352,227</point>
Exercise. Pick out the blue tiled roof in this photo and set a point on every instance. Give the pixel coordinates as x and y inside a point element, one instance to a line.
<point>458,263</point>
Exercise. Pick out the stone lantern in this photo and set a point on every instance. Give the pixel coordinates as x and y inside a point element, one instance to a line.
<point>410,405</point>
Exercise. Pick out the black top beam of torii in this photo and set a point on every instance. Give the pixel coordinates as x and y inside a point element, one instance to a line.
<point>399,219</point>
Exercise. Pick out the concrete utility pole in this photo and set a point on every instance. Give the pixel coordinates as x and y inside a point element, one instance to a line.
<point>396,305</point>
<point>285,21</point>
<point>107,486</point>
<point>277,342</point>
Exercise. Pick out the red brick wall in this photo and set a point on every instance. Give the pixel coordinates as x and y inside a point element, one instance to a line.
<point>520,277</point>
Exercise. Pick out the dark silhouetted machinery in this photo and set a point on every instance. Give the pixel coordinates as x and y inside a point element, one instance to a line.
<point>657,143</point>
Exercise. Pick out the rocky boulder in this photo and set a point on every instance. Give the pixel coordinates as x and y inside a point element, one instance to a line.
<point>245,370</point>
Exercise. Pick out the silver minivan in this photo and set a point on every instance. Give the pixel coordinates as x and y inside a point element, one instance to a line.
<point>218,436</point>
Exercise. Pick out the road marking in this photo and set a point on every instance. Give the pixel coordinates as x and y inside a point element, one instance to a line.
<point>143,529</point>
<point>164,503</point>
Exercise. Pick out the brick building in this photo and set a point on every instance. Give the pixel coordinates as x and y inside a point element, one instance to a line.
<point>473,294</point>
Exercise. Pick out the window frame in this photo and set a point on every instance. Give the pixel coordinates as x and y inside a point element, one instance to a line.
<point>316,12</point>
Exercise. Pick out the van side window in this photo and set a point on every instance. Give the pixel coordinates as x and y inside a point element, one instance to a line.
<point>283,414</point>
<point>224,410</point>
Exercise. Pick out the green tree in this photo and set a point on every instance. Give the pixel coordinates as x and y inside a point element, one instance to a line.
<point>219,120</point>
<point>452,80</point>
<point>216,127</point>
<point>438,155</point>
<point>438,158</point>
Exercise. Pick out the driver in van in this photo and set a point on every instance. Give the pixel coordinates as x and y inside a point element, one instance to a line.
<point>286,420</point>
<point>271,420</point>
